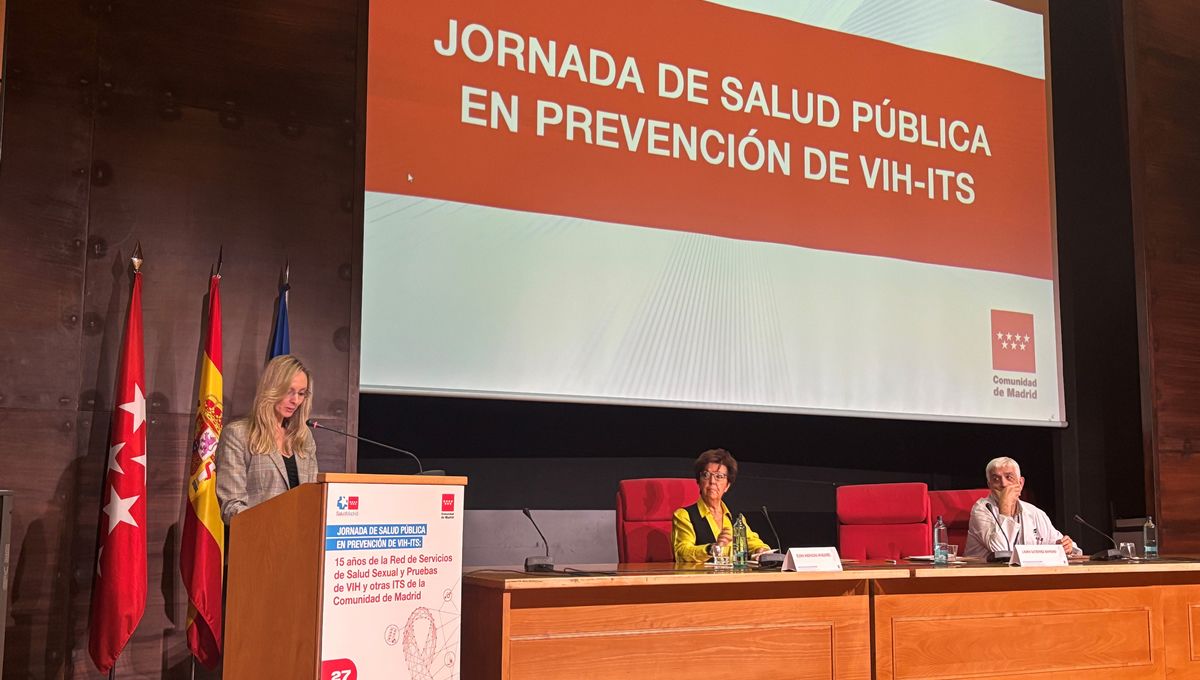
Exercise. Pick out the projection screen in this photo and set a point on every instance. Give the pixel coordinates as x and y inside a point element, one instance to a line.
<point>819,207</point>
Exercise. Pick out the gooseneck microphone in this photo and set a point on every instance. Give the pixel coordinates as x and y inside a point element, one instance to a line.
<point>999,555</point>
<point>771,560</point>
<point>537,562</point>
<point>1107,555</point>
<point>316,425</point>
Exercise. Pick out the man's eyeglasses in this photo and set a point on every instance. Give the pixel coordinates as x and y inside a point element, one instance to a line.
<point>719,476</point>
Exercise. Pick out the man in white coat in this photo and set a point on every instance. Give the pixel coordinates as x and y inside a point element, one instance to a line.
<point>1002,520</point>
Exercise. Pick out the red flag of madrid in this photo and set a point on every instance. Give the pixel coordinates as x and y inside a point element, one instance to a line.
<point>119,583</point>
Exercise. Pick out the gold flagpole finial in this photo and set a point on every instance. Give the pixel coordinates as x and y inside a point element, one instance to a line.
<point>137,257</point>
<point>287,271</point>
<point>220,257</point>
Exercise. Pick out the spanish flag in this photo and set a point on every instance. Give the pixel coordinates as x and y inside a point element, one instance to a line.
<point>202,553</point>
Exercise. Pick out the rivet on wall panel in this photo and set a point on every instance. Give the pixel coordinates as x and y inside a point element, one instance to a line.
<point>67,426</point>
<point>104,100</point>
<point>97,247</point>
<point>93,324</point>
<point>168,108</point>
<point>70,319</point>
<point>341,339</point>
<point>292,127</point>
<point>64,400</point>
<point>14,82</point>
<point>89,397</point>
<point>229,117</point>
<point>86,95</point>
<point>159,401</point>
<point>97,8</point>
<point>348,203</point>
<point>338,407</point>
<point>102,173</point>
<point>344,271</point>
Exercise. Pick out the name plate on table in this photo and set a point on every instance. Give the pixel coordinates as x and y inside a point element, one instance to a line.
<point>1039,556</point>
<point>812,559</point>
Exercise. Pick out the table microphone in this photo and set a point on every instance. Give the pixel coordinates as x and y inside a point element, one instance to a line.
<point>537,562</point>
<point>999,555</point>
<point>771,560</point>
<point>316,425</point>
<point>1108,555</point>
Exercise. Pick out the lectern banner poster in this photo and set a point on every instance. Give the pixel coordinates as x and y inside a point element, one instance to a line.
<point>392,582</point>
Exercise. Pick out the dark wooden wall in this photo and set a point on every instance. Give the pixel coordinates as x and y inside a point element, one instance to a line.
<point>185,126</point>
<point>188,125</point>
<point>1163,70</point>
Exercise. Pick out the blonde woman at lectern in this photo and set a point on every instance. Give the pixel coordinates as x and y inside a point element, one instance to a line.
<point>271,450</point>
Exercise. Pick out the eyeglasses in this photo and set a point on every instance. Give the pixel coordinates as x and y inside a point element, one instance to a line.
<point>719,476</point>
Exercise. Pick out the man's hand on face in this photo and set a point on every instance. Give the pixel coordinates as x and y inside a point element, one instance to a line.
<point>1008,498</point>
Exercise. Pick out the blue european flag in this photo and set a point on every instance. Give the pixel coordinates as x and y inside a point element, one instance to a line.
<point>281,342</point>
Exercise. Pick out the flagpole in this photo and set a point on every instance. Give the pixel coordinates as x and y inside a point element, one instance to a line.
<point>137,260</point>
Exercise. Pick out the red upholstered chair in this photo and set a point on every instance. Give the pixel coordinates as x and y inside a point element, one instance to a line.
<point>955,509</point>
<point>884,521</point>
<point>644,509</point>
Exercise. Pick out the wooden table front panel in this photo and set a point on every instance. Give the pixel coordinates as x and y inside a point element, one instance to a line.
<point>1181,615</point>
<point>797,630</point>
<point>1024,629</point>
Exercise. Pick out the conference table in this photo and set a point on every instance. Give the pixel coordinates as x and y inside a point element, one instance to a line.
<point>872,620</point>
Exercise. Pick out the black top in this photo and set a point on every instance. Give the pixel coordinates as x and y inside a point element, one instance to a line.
<point>289,462</point>
<point>704,534</point>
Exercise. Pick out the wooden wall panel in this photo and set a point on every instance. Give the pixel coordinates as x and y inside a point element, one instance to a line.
<point>41,467</point>
<point>186,187</point>
<point>1163,83</point>
<point>43,214</point>
<point>94,160</point>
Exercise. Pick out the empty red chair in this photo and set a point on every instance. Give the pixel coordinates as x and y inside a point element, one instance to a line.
<point>884,521</point>
<point>644,509</point>
<point>955,509</point>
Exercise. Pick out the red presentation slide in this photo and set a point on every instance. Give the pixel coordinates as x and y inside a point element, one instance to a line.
<point>703,118</point>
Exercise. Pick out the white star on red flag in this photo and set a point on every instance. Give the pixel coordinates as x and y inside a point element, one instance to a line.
<point>113,464</point>
<point>118,509</point>
<point>136,407</point>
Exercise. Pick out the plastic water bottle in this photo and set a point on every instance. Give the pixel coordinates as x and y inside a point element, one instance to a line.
<point>1150,539</point>
<point>941,538</point>
<point>741,550</point>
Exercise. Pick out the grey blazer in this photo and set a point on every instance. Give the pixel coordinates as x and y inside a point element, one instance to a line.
<point>244,479</point>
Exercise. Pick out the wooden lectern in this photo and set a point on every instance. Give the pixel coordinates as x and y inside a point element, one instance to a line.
<point>350,575</point>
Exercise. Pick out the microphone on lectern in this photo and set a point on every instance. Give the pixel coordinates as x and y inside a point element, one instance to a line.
<point>537,562</point>
<point>1108,554</point>
<point>771,560</point>
<point>316,425</point>
<point>999,555</point>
